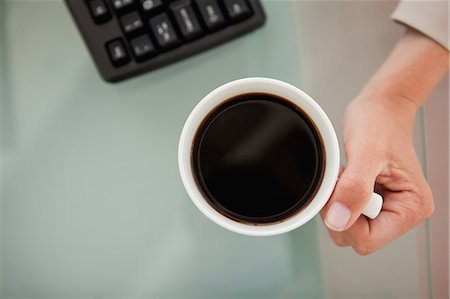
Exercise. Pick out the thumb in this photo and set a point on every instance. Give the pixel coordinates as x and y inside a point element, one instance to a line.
<point>351,194</point>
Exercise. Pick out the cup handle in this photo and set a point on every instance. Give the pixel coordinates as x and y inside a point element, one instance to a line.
<point>373,207</point>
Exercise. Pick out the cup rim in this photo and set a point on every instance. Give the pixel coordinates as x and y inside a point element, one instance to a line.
<point>296,97</point>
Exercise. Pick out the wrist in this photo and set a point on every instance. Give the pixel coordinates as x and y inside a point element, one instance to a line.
<point>392,99</point>
<point>390,104</point>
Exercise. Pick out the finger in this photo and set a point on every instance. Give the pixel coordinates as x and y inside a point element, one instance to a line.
<point>396,179</point>
<point>353,190</point>
<point>366,236</point>
<point>397,217</point>
<point>338,238</point>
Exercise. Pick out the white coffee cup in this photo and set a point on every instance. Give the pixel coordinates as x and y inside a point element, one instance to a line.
<point>300,99</point>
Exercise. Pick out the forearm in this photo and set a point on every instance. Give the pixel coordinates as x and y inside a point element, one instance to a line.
<point>411,71</point>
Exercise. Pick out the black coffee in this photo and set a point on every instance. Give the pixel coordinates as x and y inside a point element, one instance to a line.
<point>258,159</point>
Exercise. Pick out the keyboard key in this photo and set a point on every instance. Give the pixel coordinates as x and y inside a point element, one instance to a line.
<point>186,20</point>
<point>237,9</point>
<point>163,31</point>
<point>131,22</point>
<point>211,14</point>
<point>142,47</point>
<point>117,52</point>
<point>99,11</point>
<point>150,5</point>
<point>121,4</point>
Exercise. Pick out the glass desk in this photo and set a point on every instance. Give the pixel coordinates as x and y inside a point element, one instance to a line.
<point>92,205</point>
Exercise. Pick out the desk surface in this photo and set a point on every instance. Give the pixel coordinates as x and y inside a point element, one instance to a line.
<point>92,203</point>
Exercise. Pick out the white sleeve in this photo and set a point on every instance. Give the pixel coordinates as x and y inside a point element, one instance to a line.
<point>428,17</point>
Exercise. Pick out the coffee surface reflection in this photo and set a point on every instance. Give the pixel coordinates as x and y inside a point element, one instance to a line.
<point>258,159</point>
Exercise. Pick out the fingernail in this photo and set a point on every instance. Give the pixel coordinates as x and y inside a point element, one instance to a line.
<point>337,216</point>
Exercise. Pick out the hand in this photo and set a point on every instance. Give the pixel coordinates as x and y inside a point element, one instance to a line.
<point>380,154</point>
<point>378,133</point>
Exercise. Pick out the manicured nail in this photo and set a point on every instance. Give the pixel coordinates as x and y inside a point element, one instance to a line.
<point>337,216</point>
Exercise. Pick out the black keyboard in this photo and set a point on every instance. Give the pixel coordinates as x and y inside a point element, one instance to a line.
<point>130,37</point>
